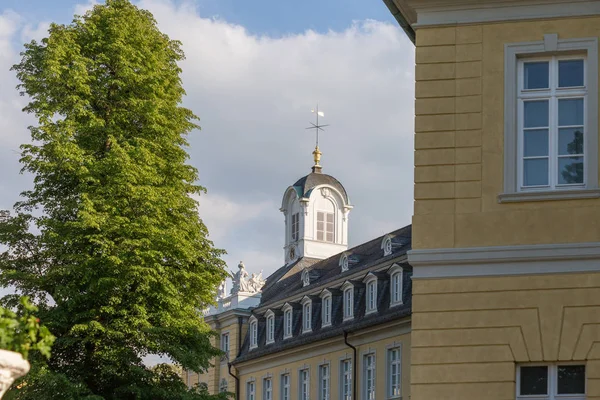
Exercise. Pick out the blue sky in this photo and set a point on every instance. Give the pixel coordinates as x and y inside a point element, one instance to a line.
<point>273,17</point>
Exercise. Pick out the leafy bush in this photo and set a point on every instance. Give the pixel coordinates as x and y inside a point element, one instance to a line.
<point>21,331</point>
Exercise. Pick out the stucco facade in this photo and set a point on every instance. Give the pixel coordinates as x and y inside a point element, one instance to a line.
<point>500,282</point>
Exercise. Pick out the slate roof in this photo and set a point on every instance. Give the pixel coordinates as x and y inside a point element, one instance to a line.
<point>285,285</point>
<point>286,282</point>
<point>306,184</point>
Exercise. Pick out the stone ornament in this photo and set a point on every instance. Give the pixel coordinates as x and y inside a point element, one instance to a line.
<point>243,283</point>
<point>12,366</point>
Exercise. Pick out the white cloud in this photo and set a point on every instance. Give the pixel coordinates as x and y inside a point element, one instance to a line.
<point>81,9</point>
<point>254,94</point>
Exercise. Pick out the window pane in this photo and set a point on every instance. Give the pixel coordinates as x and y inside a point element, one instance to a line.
<point>535,172</point>
<point>570,141</point>
<point>570,170</point>
<point>329,237</point>
<point>570,112</point>
<point>329,217</point>
<point>571,379</point>
<point>536,75</point>
<point>536,143</point>
<point>534,380</point>
<point>536,114</point>
<point>570,73</point>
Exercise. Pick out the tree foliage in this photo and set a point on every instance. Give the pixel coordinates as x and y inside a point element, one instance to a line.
<point>108,242</point>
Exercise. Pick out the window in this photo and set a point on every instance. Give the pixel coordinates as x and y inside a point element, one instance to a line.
<point>325,226</point>
<point>223,386</point>
<point>369,376</point>
<point>346,380</point>
<point>387,246</point>
<point>250,391</point>
<point>324,382</point>
<point>395,285</point>
<point>372,296</point>
<point>349,303</point>
<point>306,317</point>
<point>549,382</point>
<point>552,96</point>
<point>344,262</point>
<point>285,387</point>
<point>270,328</point>
<point>295,226</point>
<point>225,344</point>
<point>326,311</point>
<point>304,388</point>
<point>267,389</point>
<point>551,122</point>
<point>394,372</point>
<point>287,323</point>
<point>253,334</point>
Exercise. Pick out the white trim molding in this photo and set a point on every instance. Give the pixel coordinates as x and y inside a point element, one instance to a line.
<point>550,44</point>
<point>505,260</point>
<point>469,12</point>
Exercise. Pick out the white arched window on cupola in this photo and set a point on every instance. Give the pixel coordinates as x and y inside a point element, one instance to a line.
<point>396,283</point>
<point>253,332</point>
<point>325,216</point>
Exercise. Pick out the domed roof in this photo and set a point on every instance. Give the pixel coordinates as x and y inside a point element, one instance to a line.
<point>307,183</point>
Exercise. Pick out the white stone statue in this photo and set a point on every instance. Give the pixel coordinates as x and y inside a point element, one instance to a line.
<point>222,290</point>
<point>241,282</point>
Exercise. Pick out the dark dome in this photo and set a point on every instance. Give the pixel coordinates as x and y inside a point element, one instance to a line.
<point>307,183</point>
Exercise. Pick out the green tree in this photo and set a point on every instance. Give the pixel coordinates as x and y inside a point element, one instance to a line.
<point>108,243</point>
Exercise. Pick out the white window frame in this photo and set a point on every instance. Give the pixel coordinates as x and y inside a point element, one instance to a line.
<point>552,382</point>
<point>344,264</point>
<point>325,226</point>
<point>267,388</point>
<point>251,390</point>
<point>326,306</point>
<point>324,382</point>
<point>551,45</point>
<point>286,385</point>
<point>396,291</point>
<point>553,94</point>
<point>386,245</point>
<point>394,391</point>
<point>288,321</point>
<point>346,379</point>
<point>225,343</point>
<point>253,327</point>
<point>348,289</point>
<point>306,315</point>
<point>371,294</point>
<point>304,384</point>
<point>369,376</point>
<point>270,327</point>
<point>295,227</point>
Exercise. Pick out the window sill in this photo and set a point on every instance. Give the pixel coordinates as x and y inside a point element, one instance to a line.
<point>549,195</point>
<point>253,347</point>
<point>369,312</point>
<point>399,303</point>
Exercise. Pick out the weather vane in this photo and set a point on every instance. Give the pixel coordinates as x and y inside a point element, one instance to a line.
<point>317,153</point>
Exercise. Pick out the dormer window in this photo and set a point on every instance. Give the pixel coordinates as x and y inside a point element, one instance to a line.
<point>326,309</point>
<point>348,290</point>
<point>325,226</point>
<point>344,262</point>
<point>386,245</point>
<point>396,285</point>
<point>371,302</point>
<point>270,326</point>
<point>253,333</point>
<point>295,226</point>
<point>287,321</point>
<point>306,315</point>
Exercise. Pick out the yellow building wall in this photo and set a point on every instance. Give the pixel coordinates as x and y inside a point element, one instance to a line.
<point>459,141</point>
<point>279,365</point>
<point>469,333</point>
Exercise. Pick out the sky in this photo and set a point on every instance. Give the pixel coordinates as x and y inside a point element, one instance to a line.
<point>254,69</point>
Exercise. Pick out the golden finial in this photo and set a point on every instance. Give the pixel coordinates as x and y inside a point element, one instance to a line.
<point>317,153</point>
